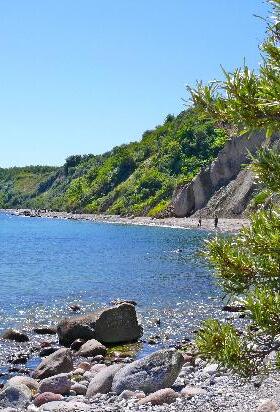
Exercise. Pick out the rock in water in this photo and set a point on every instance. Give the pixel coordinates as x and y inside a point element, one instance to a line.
<point>117,324</point>
<point>150,374</point>
<point>92,348</point>
<point>58,362</point>
<point>12,334</point>
<point>102,382</point>
<point>17,396</point>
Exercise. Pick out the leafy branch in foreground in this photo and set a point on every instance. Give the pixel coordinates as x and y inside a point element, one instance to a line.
<point>248,265</point>
<point>247,99</point>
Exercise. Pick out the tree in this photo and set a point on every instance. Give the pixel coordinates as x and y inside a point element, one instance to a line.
<point>248,265</point>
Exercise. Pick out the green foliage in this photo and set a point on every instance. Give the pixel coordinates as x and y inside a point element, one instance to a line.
<point>137,178</point>
<point>244,98</point>
<point>248,264</point>
<point>221,343</point>
<point>261,198</point>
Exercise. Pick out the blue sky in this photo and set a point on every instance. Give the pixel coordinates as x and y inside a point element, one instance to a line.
<point>84,76</point>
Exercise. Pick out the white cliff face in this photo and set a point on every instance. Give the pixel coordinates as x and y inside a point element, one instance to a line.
<point>195,196</point>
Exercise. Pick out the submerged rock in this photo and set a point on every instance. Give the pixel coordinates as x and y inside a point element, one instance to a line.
<point>117,324</point>
<point>17,336</point>
<point>152,373</point>
<point>58,362</point>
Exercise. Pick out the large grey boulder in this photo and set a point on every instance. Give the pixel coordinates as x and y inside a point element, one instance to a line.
<point>102,382</point>
<point>150,374</point>
<point>15,396</point>
<point>116,324</point>
<point>58,362</point>
<point>92,348</point>
<point>59,384</point>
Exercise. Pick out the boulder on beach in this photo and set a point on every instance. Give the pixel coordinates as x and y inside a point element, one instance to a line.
<point>92,348</point>
<point>59,384</point>
<point>15,396</point>
<point>102,382</point>
<point>46,397</point>
<point>117,324</point>
<point>17,336</point>
<point>160,397</point>
<point>58,362</point>
<point>31,383</point>
<point>150,374</point>
<point>62,406</point>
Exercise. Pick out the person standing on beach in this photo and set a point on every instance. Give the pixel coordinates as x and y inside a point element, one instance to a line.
<point>216,220</point>
<point>199,222</point>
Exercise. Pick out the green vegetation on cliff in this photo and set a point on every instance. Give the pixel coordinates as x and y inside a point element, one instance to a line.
<point>137,178</point>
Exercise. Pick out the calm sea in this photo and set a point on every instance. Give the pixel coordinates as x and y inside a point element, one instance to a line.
<point>48,264</point>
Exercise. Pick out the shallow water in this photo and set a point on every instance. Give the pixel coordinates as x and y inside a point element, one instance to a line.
<point>47,264</point>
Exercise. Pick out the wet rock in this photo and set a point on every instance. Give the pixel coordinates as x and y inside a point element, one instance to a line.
<point>150,374</point>
<point>19,358</point>
<point>31,383</point>
<point>76,345</point>
<point>92,348</point>
<point>160,397</point>
<point>190,391</point>
<point>45,330</point>
<point>120,301</point>
<point>58,362</point>
<point>46,397</point>
<point>234,308</point>
<point>60,384</point>
<point>115,324</point>
<point>102,382</point>
<point>75,308</point>
<point>16,396</point>
<point>17,336</point>
<point>48,351</point>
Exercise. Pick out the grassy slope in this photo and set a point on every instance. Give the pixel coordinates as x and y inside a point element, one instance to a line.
<point>137,178</point>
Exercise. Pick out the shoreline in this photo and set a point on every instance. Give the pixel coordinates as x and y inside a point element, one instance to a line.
<point>231,225</point>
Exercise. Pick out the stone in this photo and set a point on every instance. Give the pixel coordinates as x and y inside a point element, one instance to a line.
<point>58,362</point>
<point>48,351</point>
<point>17,336</point>
<point>15,396</point>
<point>79,388</point>
<point>150,374</point>
<point>85,366</point>
<point>102,382</point>
<point>76,345</point>
<point>160,397</point>
<point>117,324</point>
<point>62,406</point>
<point>60,384</point>
<point>92,348</point>
<point>267,405</point>
<point>132,394</point>
<point>46,397</point>
<point>190,391</point>
<point>211,368</point>
<point>45,330</point>
<point>31,383</point>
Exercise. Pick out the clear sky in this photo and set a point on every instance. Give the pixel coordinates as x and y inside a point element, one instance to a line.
<point>83,76</point>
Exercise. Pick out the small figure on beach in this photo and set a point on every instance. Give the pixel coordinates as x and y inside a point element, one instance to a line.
<point>199,222</point>
<point>216,220</point>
